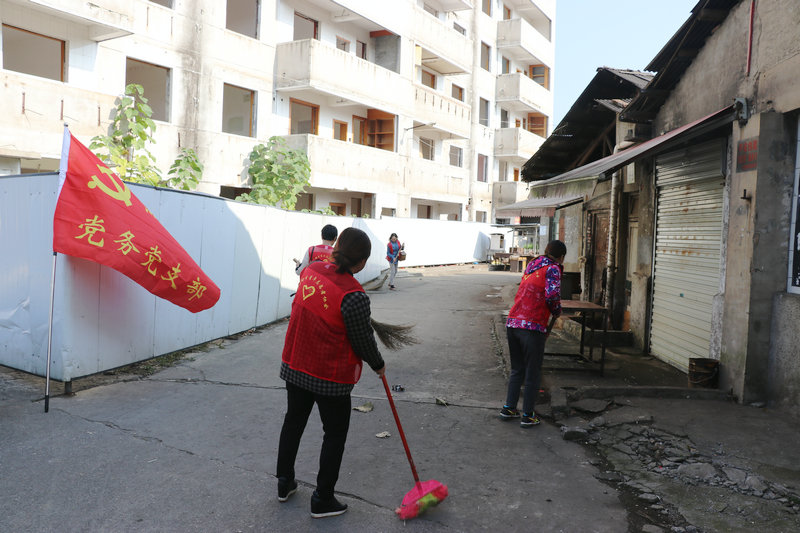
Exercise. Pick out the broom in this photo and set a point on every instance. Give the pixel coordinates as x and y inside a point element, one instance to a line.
<point>425,494</point>
<point>392,336</point>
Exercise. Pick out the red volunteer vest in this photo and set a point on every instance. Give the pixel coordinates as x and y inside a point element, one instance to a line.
<point>316,341</point>
<point>529,303</point>
<point>321,252</point>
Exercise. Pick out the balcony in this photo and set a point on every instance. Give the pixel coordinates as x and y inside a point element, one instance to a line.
<point>517,92</point>
<point>444,50</point>
<point>508,192</point>
<point>516,145</point>
<point>519,40</point>
<point>540,13</point>
<point>450,5</point>
<point>104,19</point>
<point>446,114</point>
<point>310,66</point>
<point>341,165</point>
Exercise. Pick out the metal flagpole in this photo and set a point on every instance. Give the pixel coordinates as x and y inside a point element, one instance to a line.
<point>62,174</point>
<point>50,336</point>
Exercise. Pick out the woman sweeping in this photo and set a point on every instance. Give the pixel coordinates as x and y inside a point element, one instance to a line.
<point>393,248</point>
<point>328,338</point>
<point>538,299</point>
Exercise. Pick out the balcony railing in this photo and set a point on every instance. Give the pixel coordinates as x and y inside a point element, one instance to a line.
<point>444,49</point>
<point>311,64</point>
<point>446,113</point>
<point>342,165</point>
<point>508,192</point>
<point>516,144</point>
<point>104,19</point>
<point>518,92</point>
<point>517,39</point>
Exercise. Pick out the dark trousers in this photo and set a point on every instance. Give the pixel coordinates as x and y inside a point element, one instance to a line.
<point>335,414</point>
<point>526,349</point>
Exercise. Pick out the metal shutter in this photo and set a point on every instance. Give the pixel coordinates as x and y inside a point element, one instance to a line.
<point>686,269</point>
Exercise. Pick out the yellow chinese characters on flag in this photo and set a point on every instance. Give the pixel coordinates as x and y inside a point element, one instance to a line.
<point>98,218</point>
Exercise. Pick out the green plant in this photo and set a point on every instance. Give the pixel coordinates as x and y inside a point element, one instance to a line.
<point>185,172</point>
<point>278,174</point>
<point>126,149</point>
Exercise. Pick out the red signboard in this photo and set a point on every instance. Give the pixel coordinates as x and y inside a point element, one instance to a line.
<point>747,155</point>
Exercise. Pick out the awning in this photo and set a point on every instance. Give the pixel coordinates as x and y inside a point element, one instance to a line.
<point>603,168</point>
<point>537,207</point>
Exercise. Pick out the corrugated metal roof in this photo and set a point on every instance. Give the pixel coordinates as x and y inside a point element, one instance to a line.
<point>538,207</point>
<point>607,165</point>
<point>573,141</point>
<point>614,104</point>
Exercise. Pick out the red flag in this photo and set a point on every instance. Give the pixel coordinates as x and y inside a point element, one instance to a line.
<point>98,218</point>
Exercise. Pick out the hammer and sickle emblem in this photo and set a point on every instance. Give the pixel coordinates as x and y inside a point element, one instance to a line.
<point>308,291</point>
<point>120,192</point>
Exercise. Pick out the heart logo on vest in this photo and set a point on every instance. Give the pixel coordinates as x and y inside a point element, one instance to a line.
<point>308,291</point>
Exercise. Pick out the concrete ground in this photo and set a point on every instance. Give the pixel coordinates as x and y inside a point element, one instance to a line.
<point>192,447</point>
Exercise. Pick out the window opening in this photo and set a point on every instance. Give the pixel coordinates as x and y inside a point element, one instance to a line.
<point>483,167</point>
<point>426,148</point>
<point>428,79</point>
<point>342,44</point>
<point>359,130</point>
<point>540,74</point>
<point>155,80</point>
<point>339,130</point>
<point>361,49</point>
<point>305,27</point>
<point>457,92</point>
<point>304,117</point>
<point>456,156</point>
<point>241,16</point>
<point>238,110</point>
<point>484,112</point>
<point>339,209</point>
<point>33,53</point>
<point>485,53</point>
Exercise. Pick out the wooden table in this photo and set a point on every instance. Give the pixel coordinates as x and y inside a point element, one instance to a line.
<point>586,310</point>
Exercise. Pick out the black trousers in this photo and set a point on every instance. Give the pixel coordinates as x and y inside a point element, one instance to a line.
<point>335,414</point>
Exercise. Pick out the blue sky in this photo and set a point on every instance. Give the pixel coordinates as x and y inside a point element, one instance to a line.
<point>608,33</point>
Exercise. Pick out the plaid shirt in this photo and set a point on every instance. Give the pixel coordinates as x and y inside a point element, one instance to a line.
<point>356,315</point>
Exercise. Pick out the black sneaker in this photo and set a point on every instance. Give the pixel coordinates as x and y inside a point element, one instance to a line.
<point>286,488</point>
<point>506,413</point>
<point>322,508</point>
<point>529,420</point>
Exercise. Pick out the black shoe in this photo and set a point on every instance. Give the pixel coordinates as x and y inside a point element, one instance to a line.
<point>286,488</point>
<point>391,287</point>
<point>322,508</point>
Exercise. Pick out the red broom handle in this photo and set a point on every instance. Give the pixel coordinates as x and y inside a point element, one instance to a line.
<point>400,429</point>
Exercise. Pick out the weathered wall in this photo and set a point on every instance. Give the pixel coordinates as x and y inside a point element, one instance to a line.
<point>755,267</point>
<point>784,364</point>
<point>773,202</point>
<point>641,271</point>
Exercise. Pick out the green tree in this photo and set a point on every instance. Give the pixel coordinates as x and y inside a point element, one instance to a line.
<point>278,174</point>
<point>126,149</point>
<point>185,172</point>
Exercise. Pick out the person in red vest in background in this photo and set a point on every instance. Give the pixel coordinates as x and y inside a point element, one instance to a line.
<point>393,249</point>
<point>328,339</point>
<point>320,252</point>
<point>536,307</point>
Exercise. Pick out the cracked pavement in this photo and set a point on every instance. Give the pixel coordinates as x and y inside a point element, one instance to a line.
<point>193,447</point>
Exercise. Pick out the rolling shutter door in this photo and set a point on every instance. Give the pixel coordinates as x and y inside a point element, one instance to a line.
<point>686,270</point>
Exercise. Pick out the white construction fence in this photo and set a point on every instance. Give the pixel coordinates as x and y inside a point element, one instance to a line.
<point>103,320</point>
